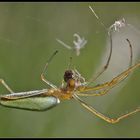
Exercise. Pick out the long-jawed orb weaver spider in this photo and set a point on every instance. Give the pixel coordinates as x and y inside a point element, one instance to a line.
<point>75,86</point>
<point>41,100</point>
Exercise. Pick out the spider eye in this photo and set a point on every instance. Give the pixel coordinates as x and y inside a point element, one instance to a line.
<point>68,75</point>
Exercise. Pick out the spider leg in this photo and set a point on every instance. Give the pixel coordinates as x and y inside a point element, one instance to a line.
<point>100,115</point>
<point>98,93</point>
<point>44,70</point>
<point>109,57</point>
<point>108,85</point>
<point>6,86</point>
<point>131,52</point>
<point>107,63</point>
<point>82,79</point>
<point>62,83</point>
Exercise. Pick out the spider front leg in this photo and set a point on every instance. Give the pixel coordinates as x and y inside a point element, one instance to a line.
<point>44,70</point>
<point>109,57</point>
<point>47,82</point>
<point>131,52</point>
<point>6,86</point>
<point>100,115</point>
<point>108,85</point>
<point>107,63</point>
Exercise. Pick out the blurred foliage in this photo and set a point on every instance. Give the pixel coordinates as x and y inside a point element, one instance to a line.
<point>28,33</point>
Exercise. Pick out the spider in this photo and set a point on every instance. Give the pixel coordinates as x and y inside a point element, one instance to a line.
<point>73,86</point>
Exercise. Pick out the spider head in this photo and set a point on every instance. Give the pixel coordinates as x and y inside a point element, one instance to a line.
<point>68,75</point>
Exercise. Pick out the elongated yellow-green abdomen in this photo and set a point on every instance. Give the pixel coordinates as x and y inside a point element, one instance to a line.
<point>31,101</point>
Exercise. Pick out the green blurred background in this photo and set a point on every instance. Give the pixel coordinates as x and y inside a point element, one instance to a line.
<point>28,33</point>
